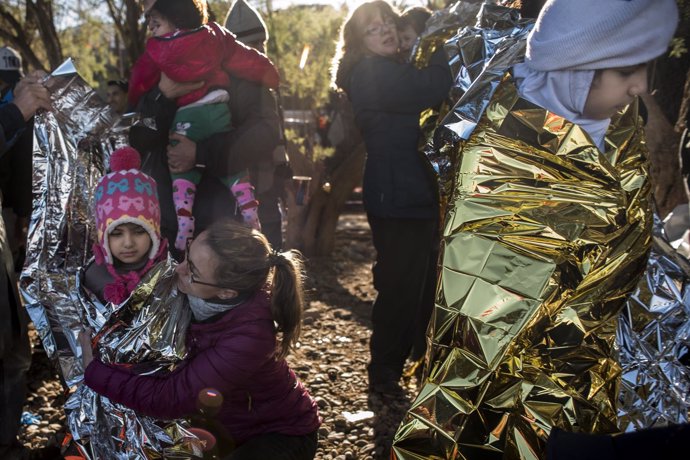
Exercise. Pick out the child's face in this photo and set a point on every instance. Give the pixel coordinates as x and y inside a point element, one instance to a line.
<point>129,243</point>
<point>613,89</point>
<point>158,25</point>
<point>407,38</point>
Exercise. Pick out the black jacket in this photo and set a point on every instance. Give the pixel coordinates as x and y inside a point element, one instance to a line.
<point>11,122</point>
<point>16,172</point>
<point>13,317</point>
<point>387,98</point>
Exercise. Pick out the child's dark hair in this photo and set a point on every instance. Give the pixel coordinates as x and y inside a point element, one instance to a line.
<point>247,263</point>
<point>183,14</point>
<point>416,17</point>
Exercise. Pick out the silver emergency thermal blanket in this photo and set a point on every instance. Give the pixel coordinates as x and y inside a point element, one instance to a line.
<point>72,145</point>
<point>653,339</point>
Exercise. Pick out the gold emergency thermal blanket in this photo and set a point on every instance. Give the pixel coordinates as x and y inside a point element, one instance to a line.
<point>545,237</point>
<point>72,145</point>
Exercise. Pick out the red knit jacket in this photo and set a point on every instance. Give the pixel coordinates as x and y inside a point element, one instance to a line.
<point>209,54</point>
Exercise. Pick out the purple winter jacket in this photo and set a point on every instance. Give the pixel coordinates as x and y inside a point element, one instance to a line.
<point>235,355</point>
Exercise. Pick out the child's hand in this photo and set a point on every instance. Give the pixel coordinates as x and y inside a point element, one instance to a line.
<point>86,350</point>
<point>181,155</point>
<point>173,89</point>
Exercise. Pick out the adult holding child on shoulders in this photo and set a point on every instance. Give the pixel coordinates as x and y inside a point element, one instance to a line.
<point>212,158</point>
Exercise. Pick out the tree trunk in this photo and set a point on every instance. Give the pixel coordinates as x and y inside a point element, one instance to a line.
<point>42,11</point>
<point>668,185</point>
<point>311,227</point>
<point>682,121</point>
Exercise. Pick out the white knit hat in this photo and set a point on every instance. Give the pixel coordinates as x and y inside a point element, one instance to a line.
<point>600,34</point>
<point>246,23</point>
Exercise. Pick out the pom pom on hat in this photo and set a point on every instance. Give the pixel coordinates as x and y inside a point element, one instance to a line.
<point>600,34</point>
<point>124,159</point>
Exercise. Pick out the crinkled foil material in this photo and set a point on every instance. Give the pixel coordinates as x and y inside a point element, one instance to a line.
<point>442,25</point>
<point>653,338</point>
<point>72,145</point>
<point>544,239</point>
<point>478,56</point>
<point>147,334</point>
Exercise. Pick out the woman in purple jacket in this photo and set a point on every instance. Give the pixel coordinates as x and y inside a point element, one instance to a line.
<point>246,302</point>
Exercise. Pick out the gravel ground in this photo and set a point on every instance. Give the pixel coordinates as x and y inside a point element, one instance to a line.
<point>331,359</point>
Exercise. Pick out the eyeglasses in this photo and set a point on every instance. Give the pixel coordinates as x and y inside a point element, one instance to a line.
<point>191,269</point>
<point>378,29</point>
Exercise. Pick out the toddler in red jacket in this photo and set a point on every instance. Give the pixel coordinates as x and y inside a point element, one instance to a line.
<point>188,49</point>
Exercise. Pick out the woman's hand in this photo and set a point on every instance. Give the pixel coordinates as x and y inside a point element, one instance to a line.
<point>173,89</point>
<point>86,350</point>
<point>181,155</point>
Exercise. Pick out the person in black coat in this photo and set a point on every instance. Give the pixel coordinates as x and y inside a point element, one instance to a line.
<point>15,350</point>
<point>270,170</point>
<point>240,148</point>
<point>400,195</point>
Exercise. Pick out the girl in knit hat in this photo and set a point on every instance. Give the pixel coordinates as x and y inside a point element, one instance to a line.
<point>133,277</point>
<point>128,229</point>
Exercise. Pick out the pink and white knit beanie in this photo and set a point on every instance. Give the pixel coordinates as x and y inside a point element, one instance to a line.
<point>127,195</point>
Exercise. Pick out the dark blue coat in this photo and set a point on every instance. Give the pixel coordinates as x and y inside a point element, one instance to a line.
<point>387,98</point>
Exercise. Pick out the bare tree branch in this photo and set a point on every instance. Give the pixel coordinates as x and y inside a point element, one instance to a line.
<point>125,15</point>
<point>42,11</point>
<point>15,34</point>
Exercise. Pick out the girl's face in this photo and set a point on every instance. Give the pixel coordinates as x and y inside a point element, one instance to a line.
<point>613,89</point>
<point>381,36</point>
<point>158,25</point>
<point>129,243</point>
<point>196,272</point>
<point>407,38</point>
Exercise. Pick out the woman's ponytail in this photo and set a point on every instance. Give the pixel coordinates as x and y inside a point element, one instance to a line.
<point>246,263</point>
<point>287,297</point>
